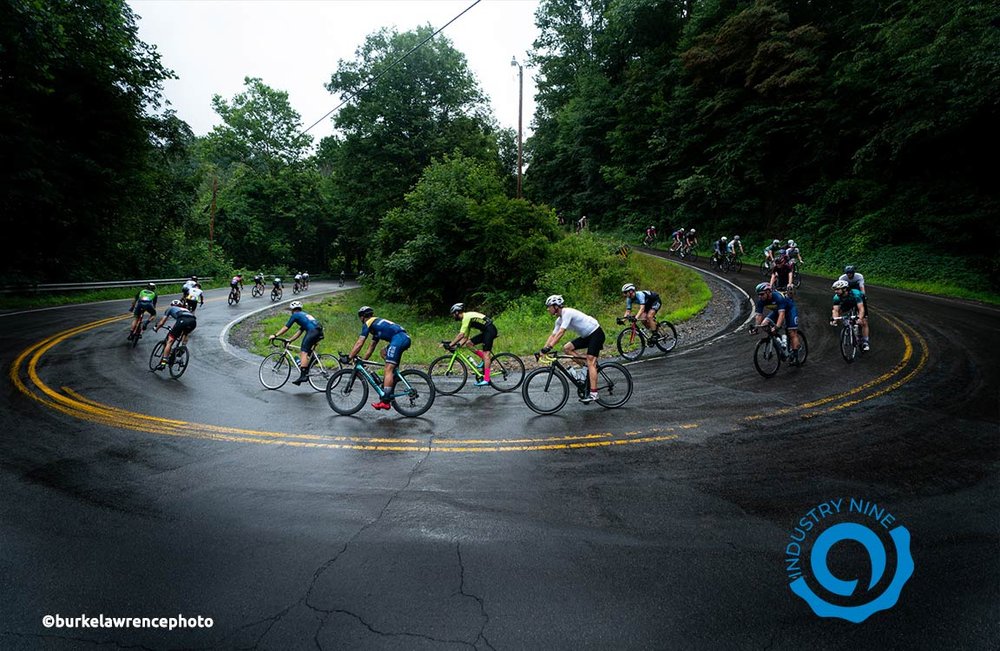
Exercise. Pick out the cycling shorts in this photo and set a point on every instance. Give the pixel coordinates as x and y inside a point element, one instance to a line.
<point>312,338</point>
<point>397,345</point>
<point>791,317</point>
<point>183,326</point>
<point>593,342</point>
<point>486,337</point>
<point>191,304</point>
<point>144,306</point>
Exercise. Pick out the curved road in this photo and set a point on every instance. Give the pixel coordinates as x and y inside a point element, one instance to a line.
<point>662,525</point>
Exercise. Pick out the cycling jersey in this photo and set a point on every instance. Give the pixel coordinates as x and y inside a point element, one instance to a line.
<point>854,283</point>
<point>649,300</point>
<point>849,301</point>
<point>381,329</point>
<point>235,281</point>
<point>304,320</point>
<point>779,303</point>
<point>475,320</point>
<point>146,296</point>
<point>784,274</point>
<point>277,282</point>
<point>677,235</point>
<point>576,321</point>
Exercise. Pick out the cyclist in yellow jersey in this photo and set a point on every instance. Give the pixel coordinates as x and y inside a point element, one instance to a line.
<point>487,333</point>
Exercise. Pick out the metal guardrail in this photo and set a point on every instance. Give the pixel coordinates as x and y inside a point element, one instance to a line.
<point>109,284</point>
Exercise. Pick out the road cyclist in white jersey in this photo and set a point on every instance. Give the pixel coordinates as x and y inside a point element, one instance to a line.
<point>194,297</point>
<point>590,337</point>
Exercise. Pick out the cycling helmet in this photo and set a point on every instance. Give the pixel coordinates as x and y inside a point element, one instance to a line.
<point>849,269</point>
<point>736,237</point>
<point>277,280</point>
<point>628,287</point>
<point>365,311</point>
<point>782,253</point>
<point>775,243</point>
<point>457,307</point>
<point>295,305</point>
<point>194,277</point>
<point>151,286</point>
<point>555,299</point>
<point>763,287</point>
<point>791,243</point>
<point>177,302</point>
<point>840,284</point>
<point>724,239</point>
<point>692,231</point>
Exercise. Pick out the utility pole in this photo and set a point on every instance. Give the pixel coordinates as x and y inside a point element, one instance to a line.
<point>211,221</point>
<point>520,120</point>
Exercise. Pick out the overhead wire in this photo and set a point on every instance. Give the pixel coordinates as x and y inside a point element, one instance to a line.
<point>388,68</point>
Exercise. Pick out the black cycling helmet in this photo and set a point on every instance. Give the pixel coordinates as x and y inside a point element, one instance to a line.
<point>849,269</point>
<point>365,311</point>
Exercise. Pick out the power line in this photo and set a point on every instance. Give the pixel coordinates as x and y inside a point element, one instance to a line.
<point>388,68</point>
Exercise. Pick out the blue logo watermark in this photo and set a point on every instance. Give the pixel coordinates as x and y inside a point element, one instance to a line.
<point>864,523</point>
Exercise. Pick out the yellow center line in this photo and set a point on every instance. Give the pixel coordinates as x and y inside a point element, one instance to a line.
<point>77,406</point>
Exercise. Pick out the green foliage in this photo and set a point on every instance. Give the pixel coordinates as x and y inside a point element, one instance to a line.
<point>458,236</point>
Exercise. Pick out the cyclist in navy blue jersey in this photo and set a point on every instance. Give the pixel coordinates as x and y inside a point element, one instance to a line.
<point>382,330</point>
<point>311,328</point>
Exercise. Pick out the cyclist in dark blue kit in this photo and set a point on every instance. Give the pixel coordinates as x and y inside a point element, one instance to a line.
<point>781,312</point>
<point>382,330</point>
<point>313,330</point>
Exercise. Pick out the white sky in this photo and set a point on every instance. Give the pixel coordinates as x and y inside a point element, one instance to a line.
<point>294,46</point>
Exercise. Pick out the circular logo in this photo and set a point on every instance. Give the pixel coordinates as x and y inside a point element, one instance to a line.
<point>827,550</point>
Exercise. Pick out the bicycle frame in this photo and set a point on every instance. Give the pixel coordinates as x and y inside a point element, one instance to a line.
<point>582,386</point>
<point>370,378</point>
<point>473,368</point>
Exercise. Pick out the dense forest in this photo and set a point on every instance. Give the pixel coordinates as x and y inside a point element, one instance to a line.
<point>859,128</point>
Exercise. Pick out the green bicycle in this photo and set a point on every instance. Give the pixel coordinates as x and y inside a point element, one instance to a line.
<point>347,389</point>
<point>449,373</point>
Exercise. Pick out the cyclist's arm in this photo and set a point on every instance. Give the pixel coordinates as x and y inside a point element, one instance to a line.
<point>357,348</point>
<point>371,348</point>
<point>555,337</point>
<point>297,335</point>
<point>280,332</point>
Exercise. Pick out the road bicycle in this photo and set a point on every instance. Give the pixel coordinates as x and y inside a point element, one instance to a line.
<point>234,295</point>
<point>347,390</point>
<point>275,294</point>
<point>449,373</point>
<point>276,368</point>
<point>688,253</point>
<point>766,266</point>
<point>258,290</point>
<point>635,337</point>
<point>296,288</point>
<point>179,357</point>
<point>546,390</point>
<point>772,350</point>
<point>732,263</point>
<point>648,240</point>
<point>723,264</point>
<point>341,283</point>
<point>139,327</point>
<point>850,336</point>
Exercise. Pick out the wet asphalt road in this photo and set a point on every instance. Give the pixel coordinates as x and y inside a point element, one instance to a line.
<point>487,526</point>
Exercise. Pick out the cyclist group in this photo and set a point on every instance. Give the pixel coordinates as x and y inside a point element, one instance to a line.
<point>179,310</point>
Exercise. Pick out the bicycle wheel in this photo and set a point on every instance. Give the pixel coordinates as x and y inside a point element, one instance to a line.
<point>320,372</point>
<point>506,372</point>
<point>134,337</point>
<point>275,294</point>
<point>275,370</point>
<point>796,279</point>
<point>256,291</point>
<point>448,377</point>
<point>295,288</point>
<point>346,391</point>
<point>232,298</point>
<point>545,391</point>
<point>848,344</point>
<point>181,359</point>
<point>631,344</point>
<point>154,357</point>
<point>765,268</point>
<point>692,256</point>
<point>614,385</point>
<point>666,336</point>
<point>766,357</point>
<point>803,349</point>
<point>413,392</point>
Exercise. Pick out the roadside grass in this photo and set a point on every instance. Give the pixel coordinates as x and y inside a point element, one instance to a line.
<point>23,302</point>
<point>523,325</point>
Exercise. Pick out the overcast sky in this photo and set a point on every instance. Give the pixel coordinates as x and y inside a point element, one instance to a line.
<point>294,46</point>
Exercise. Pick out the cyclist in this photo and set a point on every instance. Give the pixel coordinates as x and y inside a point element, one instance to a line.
<point>678,239</point>
<point>854,280</point>
<point>649,304</point>
<point>258,281</point>
<point>276,283</point>
<point>487,333</point>
<point>650,234</point>
<point>298,279</point>
<point>781,272</point>
<point>735,247</point>
<point>781,312</point>
<point>845,298</point>
<point>313,330</point>
<point>184,323</point>
<point>144,301</point>
<point>188,285</point>
<point>719,248</point>
<point>398,340</point>
<point>691,239</point>
<point>237,281</point>
<point>343,276</point>
<point>771,252</point>
<point>793,253</point>
<point>305,280</point>
<point>591,337</point>
<point>581,224</point>
<point>195,297</point>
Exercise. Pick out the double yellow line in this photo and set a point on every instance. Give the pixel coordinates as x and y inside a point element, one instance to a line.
<point>73,404</point>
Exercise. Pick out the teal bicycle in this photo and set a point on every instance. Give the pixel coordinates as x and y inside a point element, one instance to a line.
<point>449,373</point>
<point>347,389</point>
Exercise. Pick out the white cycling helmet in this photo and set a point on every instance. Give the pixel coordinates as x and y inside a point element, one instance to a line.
<point>295,305</point>
<point>628,287</point>
<point>840,284</point>
<point>736,237</point>
<point>457,307</point>
<point>791,242</point>
<point>555,299</point>
<point>724,239</point>
<point>177,302</point>
<point>692,231</point>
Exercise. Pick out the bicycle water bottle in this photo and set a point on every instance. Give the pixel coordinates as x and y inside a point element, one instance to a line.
<point>783,340</point>
<point>473,359</point>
